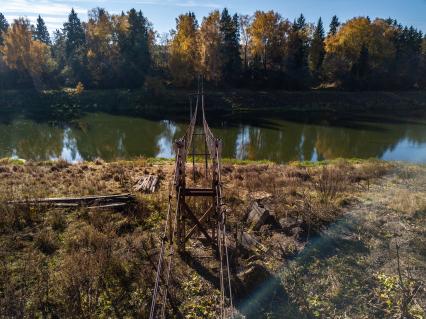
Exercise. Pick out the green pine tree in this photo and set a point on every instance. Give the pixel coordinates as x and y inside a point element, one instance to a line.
<point>135,49</point>
<point>230,47</point>
<point>74,34</point>
<point>40,33</point>
<point>300,23</point>
<point>297,59</point>
<point>75,50</point>
<point>3,27</point>
<point>317,52</point>
<point>334,25</point>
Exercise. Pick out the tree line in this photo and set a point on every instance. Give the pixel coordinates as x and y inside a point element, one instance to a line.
<point>263,50</point>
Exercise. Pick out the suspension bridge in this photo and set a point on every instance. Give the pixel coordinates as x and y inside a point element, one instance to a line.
<point>185,221</point>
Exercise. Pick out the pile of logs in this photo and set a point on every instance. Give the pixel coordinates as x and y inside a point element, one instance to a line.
<point>146,184</point>
<point>91,202</point>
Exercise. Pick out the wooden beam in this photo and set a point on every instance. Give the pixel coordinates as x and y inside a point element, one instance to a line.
<point>92,202</point>
<point>197,222</point>
<point>202,219</point>
<point>100,198</point>
<point>200,192</point>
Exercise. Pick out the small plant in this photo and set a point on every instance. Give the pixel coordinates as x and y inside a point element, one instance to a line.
<point>330,183</point>
<point>58,221</point>
<point>45,242</point>
<point>79,88</point>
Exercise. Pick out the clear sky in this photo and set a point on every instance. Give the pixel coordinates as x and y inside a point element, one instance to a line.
<point>162,13</point>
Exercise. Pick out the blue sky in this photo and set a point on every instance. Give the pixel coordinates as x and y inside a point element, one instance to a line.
<point>162,13</point>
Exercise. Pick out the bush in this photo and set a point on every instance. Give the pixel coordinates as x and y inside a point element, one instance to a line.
<point>45,241</point>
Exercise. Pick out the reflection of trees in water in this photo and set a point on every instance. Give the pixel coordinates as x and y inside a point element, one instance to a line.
<point>70,150</point>
<point>166,138</point>
<point>335,142</point>
<point>293,141</point>
<point>242,143</point>
<point>26,139</point>
<point>283,144</point>
<point>111,137</point>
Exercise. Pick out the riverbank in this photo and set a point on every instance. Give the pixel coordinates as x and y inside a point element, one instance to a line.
<point>327,243</point>
<point>68,104</point>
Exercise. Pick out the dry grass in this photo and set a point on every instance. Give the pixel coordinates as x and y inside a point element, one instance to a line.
<point>408,202</point>
<point>80,263</point>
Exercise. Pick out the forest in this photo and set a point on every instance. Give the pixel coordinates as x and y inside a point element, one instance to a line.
<point>263,50</point>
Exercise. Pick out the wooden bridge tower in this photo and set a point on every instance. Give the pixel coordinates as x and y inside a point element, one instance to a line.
<point>188,221</point>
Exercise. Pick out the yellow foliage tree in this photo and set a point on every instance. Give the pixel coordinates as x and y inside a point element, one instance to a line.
<point>210,37</point>
<point>101,48</point>
<point>268,34</point>
<point>358,32</point>
<point>184,61</point>
<point>22,53</point>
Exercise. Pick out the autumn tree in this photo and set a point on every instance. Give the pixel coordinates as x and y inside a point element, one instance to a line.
<point>267,38</point>
<point>346,46</point>
<point>317,51</point>
<point>230,46</point>
<point>244,24</point>
<point>184,52</point>
<point>27,56</point>
<point>210,45</point>
<point>101,48</point>
<point>40,33</point>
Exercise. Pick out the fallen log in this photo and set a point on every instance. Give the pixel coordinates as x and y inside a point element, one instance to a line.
<point>92,202</point>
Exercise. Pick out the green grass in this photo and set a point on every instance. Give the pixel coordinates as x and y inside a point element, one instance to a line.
<point>13,161</point>
<point>353,160</point>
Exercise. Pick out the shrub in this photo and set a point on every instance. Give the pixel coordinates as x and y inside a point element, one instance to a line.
<point>79,88</point>
<point>45,241</point>
<point>329,183</point>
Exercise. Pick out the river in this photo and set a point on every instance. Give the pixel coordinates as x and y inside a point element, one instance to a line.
<point>111,137</point>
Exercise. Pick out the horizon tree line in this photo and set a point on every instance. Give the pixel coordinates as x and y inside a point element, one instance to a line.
<point>263,50</point>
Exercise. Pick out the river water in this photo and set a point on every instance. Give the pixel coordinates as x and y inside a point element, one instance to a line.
<point>111,137</point>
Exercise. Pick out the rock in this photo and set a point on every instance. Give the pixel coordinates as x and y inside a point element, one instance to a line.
<point>282,245</point>
<point>297,232</point>
<point>257,216</point>
<point>249,242</point>
<point>266,230</point>
<point>288,223</point>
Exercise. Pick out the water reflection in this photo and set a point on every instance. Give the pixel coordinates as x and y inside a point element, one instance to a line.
<point>69,149</point>
<point>112,137</point>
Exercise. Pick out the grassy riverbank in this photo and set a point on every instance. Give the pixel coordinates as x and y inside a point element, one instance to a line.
<point>66,104</point>
<point>332,254</point>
